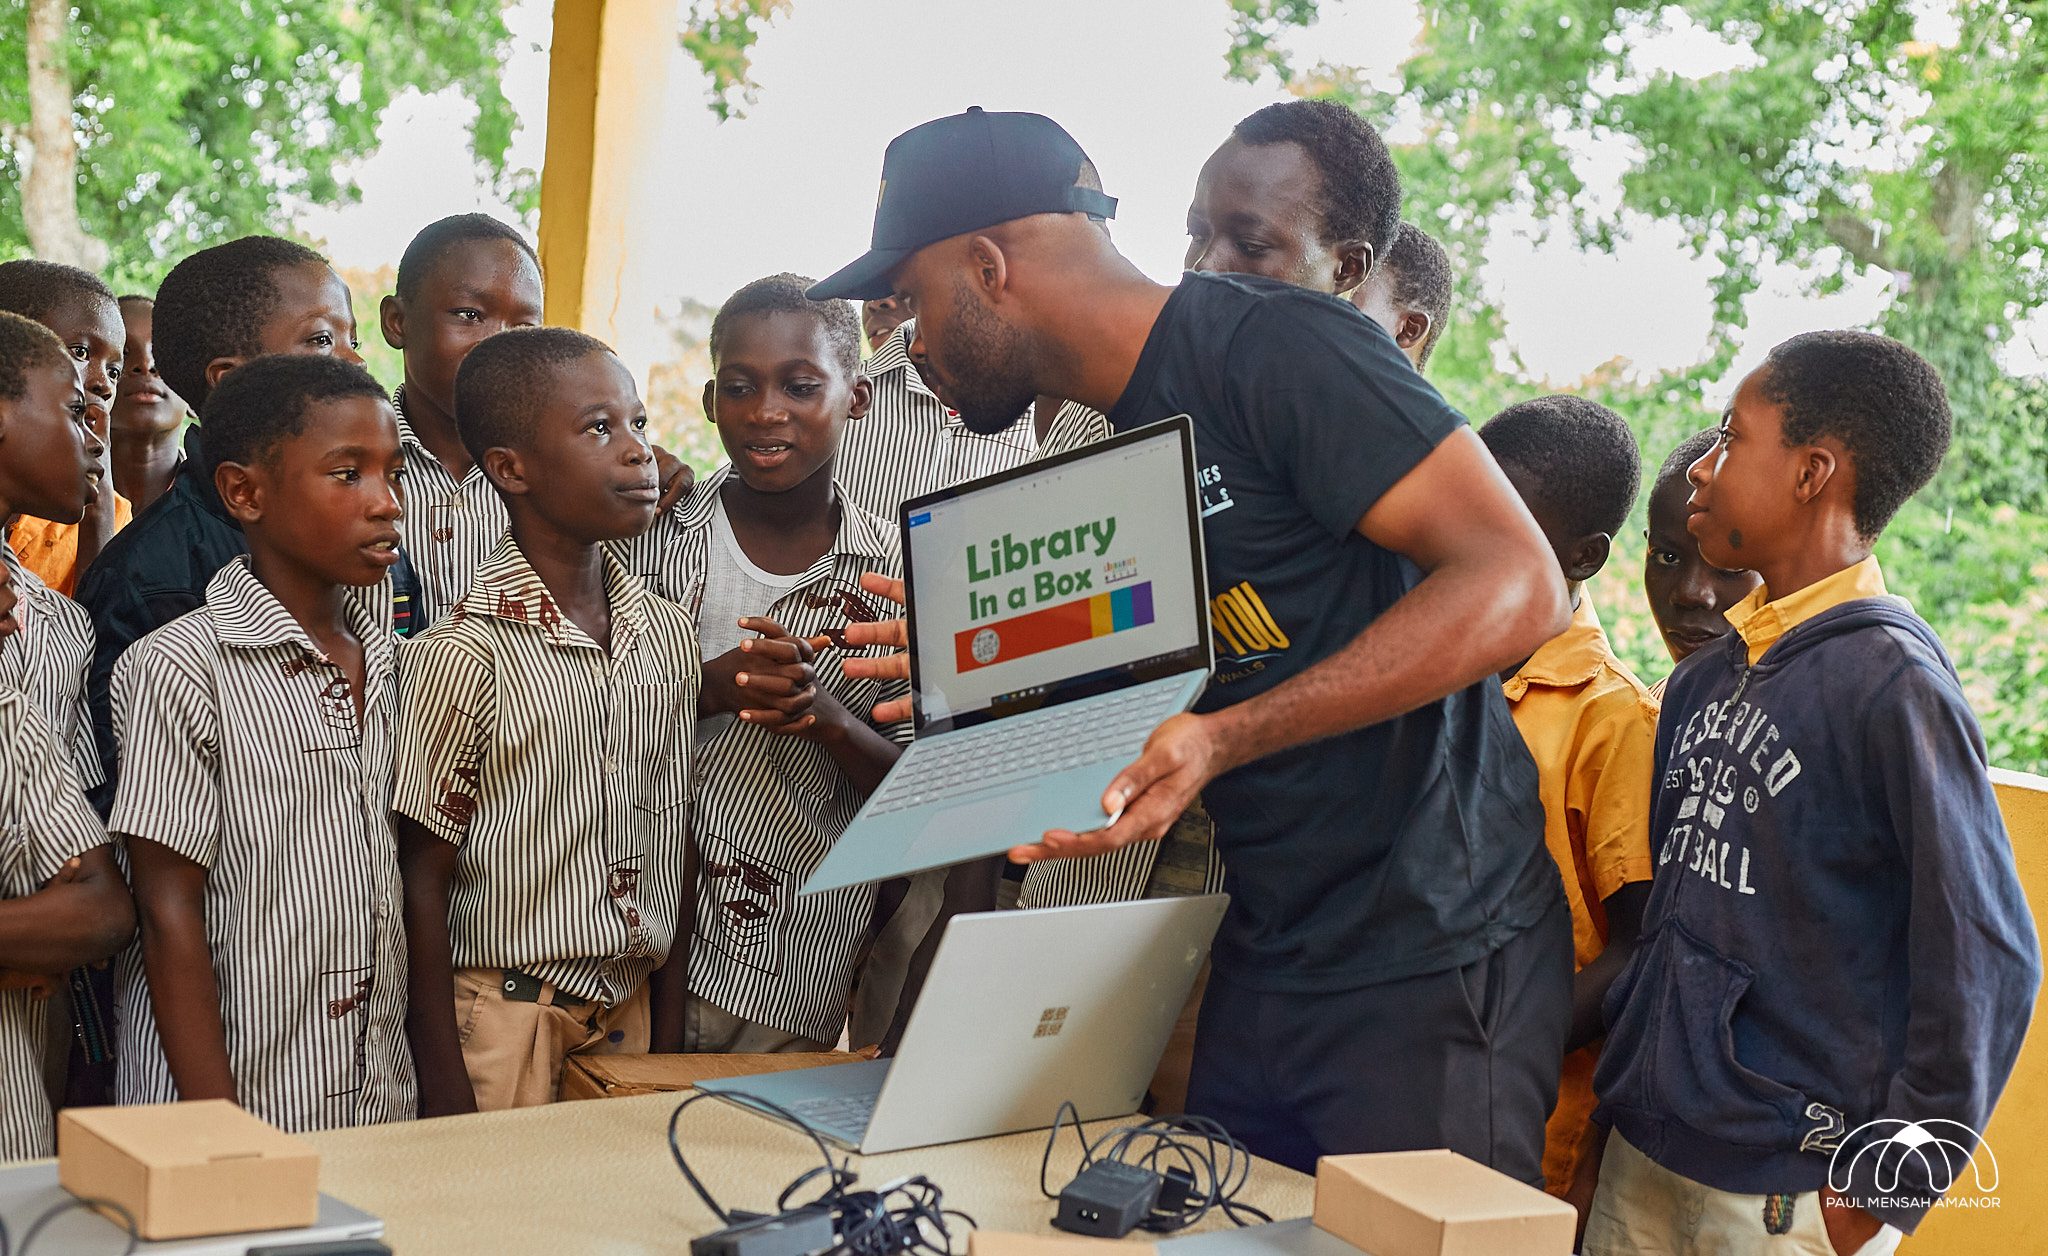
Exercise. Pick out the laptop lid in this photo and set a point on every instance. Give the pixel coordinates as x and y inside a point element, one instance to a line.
<point>1025,1010</point>
<point>1057,580</point>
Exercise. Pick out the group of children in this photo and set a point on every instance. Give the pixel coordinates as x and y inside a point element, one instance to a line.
<point>443,736</point>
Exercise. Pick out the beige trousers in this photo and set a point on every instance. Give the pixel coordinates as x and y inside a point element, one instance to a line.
<point>515,1050</point>
<point>1644,1209</point>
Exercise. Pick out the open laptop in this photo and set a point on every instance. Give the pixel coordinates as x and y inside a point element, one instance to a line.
<point>1023,1011</point>
<point>1059,613</point>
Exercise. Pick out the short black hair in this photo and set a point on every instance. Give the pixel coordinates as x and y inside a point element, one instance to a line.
<point>784,294</point>
<point>497,383</point>
<point>1883,401</point>
<point>1689,451</point>
<point>438,237</point>
<point>214,305</point>
<point>34,288</point>
<point>1419,273</point>
<point>1580,455</point>
<point>1361,187</point>
<point>263,403</point>
<point>25,345</point>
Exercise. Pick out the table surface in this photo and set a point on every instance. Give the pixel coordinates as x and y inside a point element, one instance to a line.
<point>596,1177</point>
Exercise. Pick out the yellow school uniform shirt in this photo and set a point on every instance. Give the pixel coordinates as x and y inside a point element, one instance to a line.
<point>1591,726</point>
<point>1761,621</point>
<point>51,549</point>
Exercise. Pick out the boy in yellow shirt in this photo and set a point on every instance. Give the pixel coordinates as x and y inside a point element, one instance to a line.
<point>1591,727</point>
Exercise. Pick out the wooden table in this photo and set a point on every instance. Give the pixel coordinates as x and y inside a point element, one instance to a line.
<point>596,1178</point>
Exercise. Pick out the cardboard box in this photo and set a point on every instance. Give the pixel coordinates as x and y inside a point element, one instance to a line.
<point>1438,1203</point>
<point>188,1169</point>
<point>996,1243</point>
<point>622,1076</point>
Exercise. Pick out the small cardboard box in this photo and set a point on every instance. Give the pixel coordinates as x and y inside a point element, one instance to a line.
<point>188,1169</point>
<point>1438,1203</point>
<point>997,1243</point>
<point>622,1076</point>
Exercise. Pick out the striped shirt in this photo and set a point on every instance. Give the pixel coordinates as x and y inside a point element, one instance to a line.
<point>450,526</point>
<point>241,750</point>
<point>562,772</point>
<point>769,807</point>
<point>44,821</point>
<point>909,444</point>
<point>48,659</point>
<point>1174,864</point>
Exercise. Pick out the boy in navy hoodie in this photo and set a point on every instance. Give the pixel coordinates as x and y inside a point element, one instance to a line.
<point>1838,963</point>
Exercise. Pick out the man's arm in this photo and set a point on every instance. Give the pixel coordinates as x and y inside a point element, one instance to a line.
<point>81,917</point>
<point>171,890</point>
<point>1490,595</point>
<point>426,864</point>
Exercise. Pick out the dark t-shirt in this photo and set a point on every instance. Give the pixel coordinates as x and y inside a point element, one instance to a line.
<point>1413,845</point>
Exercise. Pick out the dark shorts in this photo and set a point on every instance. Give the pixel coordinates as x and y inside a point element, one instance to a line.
<point>1466,1059</point>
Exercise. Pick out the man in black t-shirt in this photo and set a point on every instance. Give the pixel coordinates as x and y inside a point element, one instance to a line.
<point>1394,970</point>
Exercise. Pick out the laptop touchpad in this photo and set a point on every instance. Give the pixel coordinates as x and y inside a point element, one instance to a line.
<point>969,827</point>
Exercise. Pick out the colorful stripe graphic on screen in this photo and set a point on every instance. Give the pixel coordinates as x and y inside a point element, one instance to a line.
<point>1069,623</point>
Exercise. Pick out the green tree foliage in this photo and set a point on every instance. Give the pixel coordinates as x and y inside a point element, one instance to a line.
<point>200,122</point>
<point>1839,144</point>
<point>719,35</point>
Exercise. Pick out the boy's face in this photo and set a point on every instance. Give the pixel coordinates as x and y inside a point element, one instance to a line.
<point>326,499</point>
<point>879,318</point>
<point>312,315</point>
<point>589,471</point>
<point>1409,328</point>
<point>49,455</point>
<point>780,399</point>
<point>1689,596</point>
<point>1745,490</point>
<point>473,291</point>
<point>143,404</point>
<point>91,329</point>
<point>1257,210</point>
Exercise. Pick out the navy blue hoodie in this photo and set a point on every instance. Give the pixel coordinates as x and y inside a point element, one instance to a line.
<point>1836,934</point>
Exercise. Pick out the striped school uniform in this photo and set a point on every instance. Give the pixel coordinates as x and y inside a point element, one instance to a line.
<point>560,770</point>
<point>44,821</point>
<point>47,660</point>
<point>769,806</point>
<point>242,751</point>
<point>450,526</point>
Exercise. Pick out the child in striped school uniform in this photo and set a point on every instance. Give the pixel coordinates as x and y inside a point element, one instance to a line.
<point>768,553</point>
<point>255,796</point>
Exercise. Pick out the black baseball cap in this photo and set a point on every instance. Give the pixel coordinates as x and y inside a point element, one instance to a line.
<point>954,175</point>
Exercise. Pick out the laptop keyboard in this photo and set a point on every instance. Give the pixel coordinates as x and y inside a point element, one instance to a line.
<point>1007,751</point>
<point>843,1116</point>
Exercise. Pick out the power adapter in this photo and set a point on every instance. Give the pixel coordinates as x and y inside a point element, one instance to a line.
<point>802,1232</point>
<point>1108,1199</point>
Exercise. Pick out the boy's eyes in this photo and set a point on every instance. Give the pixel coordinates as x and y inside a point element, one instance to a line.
<point>1664,558</point>
<point>469,316</point>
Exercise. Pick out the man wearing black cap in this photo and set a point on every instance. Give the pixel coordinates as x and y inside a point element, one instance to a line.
<point>1395,968</point>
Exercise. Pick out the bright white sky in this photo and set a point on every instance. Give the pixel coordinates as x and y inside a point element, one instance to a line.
<point>1139,83</point>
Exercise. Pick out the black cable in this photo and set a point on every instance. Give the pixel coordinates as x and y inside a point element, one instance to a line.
<point>826,1165</point>
<point>58,1209</point>
<point>1216,1164</point>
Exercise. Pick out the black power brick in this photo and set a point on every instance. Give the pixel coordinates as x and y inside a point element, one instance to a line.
<point>802,1232</point>
<point>1108,1200</point>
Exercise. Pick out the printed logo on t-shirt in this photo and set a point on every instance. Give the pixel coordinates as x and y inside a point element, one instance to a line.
<point>1215,493</point>
<point>1726,757</point>
<point>1245,631</point>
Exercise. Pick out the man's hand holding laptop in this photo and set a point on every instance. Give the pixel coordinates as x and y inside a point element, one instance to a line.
<point>1143,801</point>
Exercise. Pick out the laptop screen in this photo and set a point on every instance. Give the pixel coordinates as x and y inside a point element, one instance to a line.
<point>1057,580</point>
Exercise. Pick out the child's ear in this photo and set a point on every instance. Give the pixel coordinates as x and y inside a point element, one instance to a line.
<point>1818,464</point>
<point>1412,330</point>
<point>506,469</point>
<point>863,397</point>
<point>1354,263</point>
<point>218,368</point>
<point>241,490</point>
<point>711,402</point>
<point>1587,556</point>
<point>391,320</point>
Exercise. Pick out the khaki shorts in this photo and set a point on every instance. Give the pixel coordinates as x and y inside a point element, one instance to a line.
<point>1644,1209</point>
<point>515,1049</point>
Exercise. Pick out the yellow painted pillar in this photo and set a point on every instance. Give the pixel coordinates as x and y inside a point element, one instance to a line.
<point>607,80</point>
<point>2014,1218</point>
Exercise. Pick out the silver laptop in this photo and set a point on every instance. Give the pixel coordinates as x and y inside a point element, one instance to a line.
<point>1059,613</point>
<point>1023,1011</point>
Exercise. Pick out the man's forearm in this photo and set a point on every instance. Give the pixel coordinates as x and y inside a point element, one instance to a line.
<point>1461,623</point>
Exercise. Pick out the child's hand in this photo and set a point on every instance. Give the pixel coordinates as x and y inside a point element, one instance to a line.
<point>766,680</point>
<point>39,985</point>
